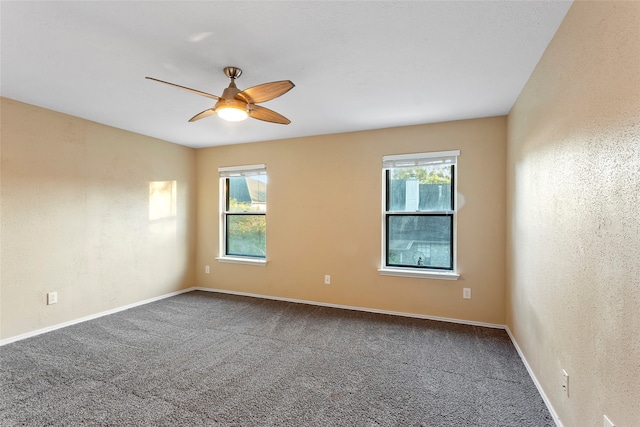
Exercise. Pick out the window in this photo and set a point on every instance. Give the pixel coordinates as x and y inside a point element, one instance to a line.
<point>419,214</point>
<point>243,207</point>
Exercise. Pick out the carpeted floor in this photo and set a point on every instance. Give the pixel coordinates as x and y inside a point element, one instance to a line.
<point>203,358</point>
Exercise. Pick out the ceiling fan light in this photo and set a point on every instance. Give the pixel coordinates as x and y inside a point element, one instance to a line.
<point>232,114</point>
<point>231,110</point>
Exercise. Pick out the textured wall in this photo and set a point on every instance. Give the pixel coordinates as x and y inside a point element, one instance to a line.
<point>574,215</point>
<point>80,217</point>
<point>324,217</point>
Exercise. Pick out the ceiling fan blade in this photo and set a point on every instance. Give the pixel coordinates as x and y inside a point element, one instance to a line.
<point>202,115</point>
<point>265,92</point>
<point>197,92</point>
<point>267,115</point>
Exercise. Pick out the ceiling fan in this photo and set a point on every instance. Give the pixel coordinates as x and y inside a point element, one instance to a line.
<point>235,105</point>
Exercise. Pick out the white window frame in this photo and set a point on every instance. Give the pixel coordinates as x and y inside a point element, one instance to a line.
<point>409,160</point>
<point>234,172</point>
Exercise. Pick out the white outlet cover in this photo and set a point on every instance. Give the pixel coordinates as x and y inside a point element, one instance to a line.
<point>52,298</point>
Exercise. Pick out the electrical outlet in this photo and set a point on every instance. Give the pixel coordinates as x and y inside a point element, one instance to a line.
<point>207,269</point>
<point>607,422</point>
<point>565,382</point>
<point>466,293</point>
<point>52,298</point>
<point>327,279</point>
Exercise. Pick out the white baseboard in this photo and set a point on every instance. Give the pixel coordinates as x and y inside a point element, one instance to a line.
<point>322,304</point>
<point>547,402</point>
<point>223,291</point>
<point>348,307</point>
<point>91,317</point>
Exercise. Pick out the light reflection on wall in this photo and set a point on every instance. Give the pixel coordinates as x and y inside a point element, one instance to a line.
<point>162,199</point>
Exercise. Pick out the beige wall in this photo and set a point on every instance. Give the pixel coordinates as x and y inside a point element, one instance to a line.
<point>76,218</point>
<point>574,216</point>
<point>324,217</point>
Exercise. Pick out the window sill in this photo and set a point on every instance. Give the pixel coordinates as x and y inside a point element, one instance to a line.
<point>241,260</point>
<point>406,272</point>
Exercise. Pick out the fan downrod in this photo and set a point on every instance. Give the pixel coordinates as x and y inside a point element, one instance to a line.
<point>232,72</point>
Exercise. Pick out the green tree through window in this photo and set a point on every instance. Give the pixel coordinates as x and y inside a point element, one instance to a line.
<point>246,233</point>
<point>424,176</point>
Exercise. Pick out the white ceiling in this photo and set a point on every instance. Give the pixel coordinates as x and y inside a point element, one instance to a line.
<point>356,64</point>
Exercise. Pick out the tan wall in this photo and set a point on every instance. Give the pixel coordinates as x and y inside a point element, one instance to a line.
<point>574,216</point>
<point>76,218</point>
<point>324,217</point>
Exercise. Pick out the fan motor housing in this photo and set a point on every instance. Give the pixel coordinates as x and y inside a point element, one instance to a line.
<point>230,103</point>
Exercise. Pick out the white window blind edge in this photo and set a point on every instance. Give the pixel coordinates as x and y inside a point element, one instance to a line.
<point>420,159</point>
<point>248,170</point>
<point>433,154</point>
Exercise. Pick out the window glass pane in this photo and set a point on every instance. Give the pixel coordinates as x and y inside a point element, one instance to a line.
<point>420,241</point>
<point>423,189</point>
<point>247,194</point>
<point>246,235</point>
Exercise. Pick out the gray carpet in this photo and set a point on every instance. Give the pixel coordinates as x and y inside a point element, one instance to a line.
<point>202,358</point>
